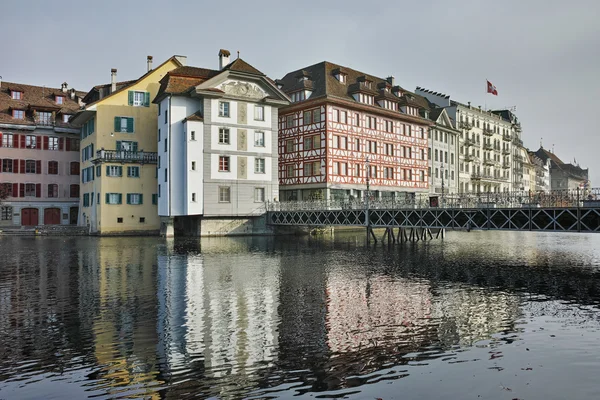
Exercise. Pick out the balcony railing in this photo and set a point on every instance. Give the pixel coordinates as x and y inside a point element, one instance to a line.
<point>469,142</point>
<point>505,165</point>
<point>489,161</point>
<point>142,157</point>
<point>506,138</point>
<point>517,141</point>
<point>465,125</point>
<point>488,146</point>
<point>518,157</point>
<point>506,151</point>
<point>471,157</point>
<point>44,122</point>
<point>488,132</point>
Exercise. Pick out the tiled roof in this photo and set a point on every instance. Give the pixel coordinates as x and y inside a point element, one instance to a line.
<point>324,83</point>
<point>545,154</point>
<point>242,66</point>
<point>197,116</point>
<point>36,98</point>
<point>182,79</point>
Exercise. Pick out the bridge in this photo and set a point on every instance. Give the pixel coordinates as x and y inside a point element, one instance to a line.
<point>556,211</point>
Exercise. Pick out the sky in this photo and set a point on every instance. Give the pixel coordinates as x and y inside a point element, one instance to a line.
<point>543,56</point>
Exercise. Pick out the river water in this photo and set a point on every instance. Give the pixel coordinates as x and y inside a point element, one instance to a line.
<point>491,315</point>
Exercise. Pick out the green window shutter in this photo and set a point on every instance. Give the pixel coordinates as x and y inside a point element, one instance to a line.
<point>118,145</point>
<point>130,125</point>
<point>120,171</point>
<point>134,146</point>
<point>128,198</point>
<point>92,150</point>
<point>128,171</point>
<point>130,98</point>
<point>147,99</point>
<point>98,171</point>
<point>120,198</point>
<point>117,124</point>
<point>141,198</point>
<point>107,170</point>
<point>91,127</point>
<point>107,198</point>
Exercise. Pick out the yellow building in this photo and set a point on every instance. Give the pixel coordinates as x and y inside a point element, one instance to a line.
<point>119,138</point>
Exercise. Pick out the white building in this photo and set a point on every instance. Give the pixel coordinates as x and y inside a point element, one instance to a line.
<point>217,133</point>
<point>443,155</point>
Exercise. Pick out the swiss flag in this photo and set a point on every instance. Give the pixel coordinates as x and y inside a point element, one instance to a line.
<point>491,88</point>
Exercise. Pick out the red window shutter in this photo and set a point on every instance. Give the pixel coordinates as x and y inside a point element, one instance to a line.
<point>16,141</point>
<point>22,166</point>
<point>68,145</point>
<point>15,192</point>
<point>15,166</point>
<point>61,143</point>
<point>38,190</point>
<point>0,163</point>
<point>45,142</point>
<point>38,167</point>
<point>23,144</point>
<point>0,139</point>
<point>21,190</point>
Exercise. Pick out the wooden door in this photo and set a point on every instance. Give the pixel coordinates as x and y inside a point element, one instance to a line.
<point>52,216</point>
<point>73,213</point>
<point>29,216</point>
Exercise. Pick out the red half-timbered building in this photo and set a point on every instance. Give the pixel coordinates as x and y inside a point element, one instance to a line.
<point>344,127</point>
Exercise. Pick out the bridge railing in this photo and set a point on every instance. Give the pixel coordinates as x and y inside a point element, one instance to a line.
<point>518,199</point>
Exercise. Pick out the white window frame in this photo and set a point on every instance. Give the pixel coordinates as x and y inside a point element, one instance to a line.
<point>224,109</point>
<point>136,197</point>
<point>224,136</point>
<point>113,171</point>
<point>259,139</point>
<point>259,165</point>
<point>224,194</point>
<point>259,194</point>
<point>113,198</point>
<point>259,113</point>
<point>136,101</point>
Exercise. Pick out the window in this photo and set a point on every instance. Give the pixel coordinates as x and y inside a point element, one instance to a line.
<point>259,165</point>
<point>289,121</point>
<point>290,171</point>
<point>193,165</point>
<point>119,220</point>
<point>133,172</point>
<point>113,198</point>
<point>422,133</point>
<point>52,143</point>
<point>74,168</point>
<point>166,145</point>
<point>307,169</point>
<point>259,113</point>
<point>8,140</point>
<point>422,154</point>
<point>166,175</point>
<point>259,139</point>
<point>388,173</point>
<point>74,191</point>
<point>307,117</point>
<point>223,135</point>
<point>44,118</point>
<point>142,220</point>
<point>307,143</point>
<point>259,194</point>
<point>31,142</point>
<point>344,117</point>
<point>139,99</point>
<point>224,194</point>
<point>114,170</point>
<point>316,168</point>
<point>18,114</point>
<point>223,163</point>
<point>389,126</point>
<point>135,198</point>
<point>53,190</point>
<point>316,115</point>
<point>60,99</point>
<point>52,167</point>
<point>86,199</point>
<point>289,146</point>
<point>336,116</point>
<point>16,95</point>
<point>124,124</point>
<point>30,166</point>
<point>193,135</point>
<point>357,119</point>
<point>155,198</point>
<point>422,176</point>
<point>30,190</point>
<point>66,117</point>
<point>6,213</point>
<point>357,144</point>
<point>224,109</point>
<point>166,116</point>
<point>193,197</point>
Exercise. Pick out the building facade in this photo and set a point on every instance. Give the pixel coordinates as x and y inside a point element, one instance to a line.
<point>119,154</point>
<point>540,173</point>
<point>217,143</point>
<point>39,155</point>
<point>345,130</point>
<point>564,176</point>
<point>443,153</point>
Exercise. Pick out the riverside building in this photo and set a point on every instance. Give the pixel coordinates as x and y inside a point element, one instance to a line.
<point>217,147</point>
<point>119,154</point>
<point>39,155</point>
<point>345,130</point>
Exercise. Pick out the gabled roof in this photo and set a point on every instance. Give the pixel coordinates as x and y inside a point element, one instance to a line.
<point>197,116</point>
<point>545,155</point>
<point>242,66</point>
<point>36,98</point>
<point>182,79</point>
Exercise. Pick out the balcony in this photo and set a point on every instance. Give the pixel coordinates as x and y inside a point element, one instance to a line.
<point>488,132</point>
<point>141,157</point>
<point>506,151</point>
<point>506,138</point>
<point>44,121</point>
<point>518,157</point>
<point>488,146</point>
<point>516,141</point>
<point>465,125</point>
<point>506,165</point>
<point>518,127</point>
<point>475,176</point>
<point>471,157</point>
<point>489,161</point>
<point>469,142</point>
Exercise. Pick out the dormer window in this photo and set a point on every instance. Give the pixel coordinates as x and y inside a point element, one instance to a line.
<point>59,99</point>
<point>368,84</point>
<point>341,77</point>
<point>16,95</point>
<point>66,117</point>
<point>18,114</point>
<point>302,78</point>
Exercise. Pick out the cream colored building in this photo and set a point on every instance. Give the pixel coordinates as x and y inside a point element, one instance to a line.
<point>119,154</point>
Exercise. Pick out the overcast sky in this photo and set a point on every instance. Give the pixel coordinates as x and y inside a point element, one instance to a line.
<point>542,55</point>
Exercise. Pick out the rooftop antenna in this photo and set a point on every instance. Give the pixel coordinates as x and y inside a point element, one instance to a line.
<point>552,147</point>
<point>541,146</point>
<point>238,53</point>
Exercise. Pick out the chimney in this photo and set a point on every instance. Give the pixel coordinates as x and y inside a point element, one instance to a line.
<point>72,93</point>
<point>469,103</point>
<point>390,80</point>
<point>64,87</point>
<point>149,61</point>
<point>113,80</point>
<point>181,59</point>
<point>223,58</point>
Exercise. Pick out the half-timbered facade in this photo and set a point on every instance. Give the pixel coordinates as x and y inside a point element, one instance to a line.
<point>345,130</point>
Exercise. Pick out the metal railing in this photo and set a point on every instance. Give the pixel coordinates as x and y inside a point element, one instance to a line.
<point>514,199</point>
<point>143,157</point>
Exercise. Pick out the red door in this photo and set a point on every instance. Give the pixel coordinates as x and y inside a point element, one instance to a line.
<point>29,216</point>
<point>52,216</point>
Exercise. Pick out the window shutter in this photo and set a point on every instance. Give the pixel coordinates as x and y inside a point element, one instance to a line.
<point>38,167</point>
<point>128,198</point>
<point>130,125</point>
<point>21,190</point>
<point>68,148</point>
<point>147,99</point>
<point>134,146</point>
<point>45,140</point>
<point>98,171</point>
<point>0,139</point>
<point>15,190</point>
<point>16,141</point>
<point>61,143</point>
<point>118,123</point>
<point>38,190</point>
<point>130,97</point>
<point>120,171</point>
<point>23,143</point>
<point>92,150</point>
<point>22,166</point>
<point>141,198</point>
<point>118,145</point>
<point>107,198</point>
<point>120,198</point>
<point>107,170</point>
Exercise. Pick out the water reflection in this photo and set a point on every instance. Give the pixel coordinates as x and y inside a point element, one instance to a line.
<point>229,318</point>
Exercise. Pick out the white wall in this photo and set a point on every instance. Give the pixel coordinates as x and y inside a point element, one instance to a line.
<point>193,180</point>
